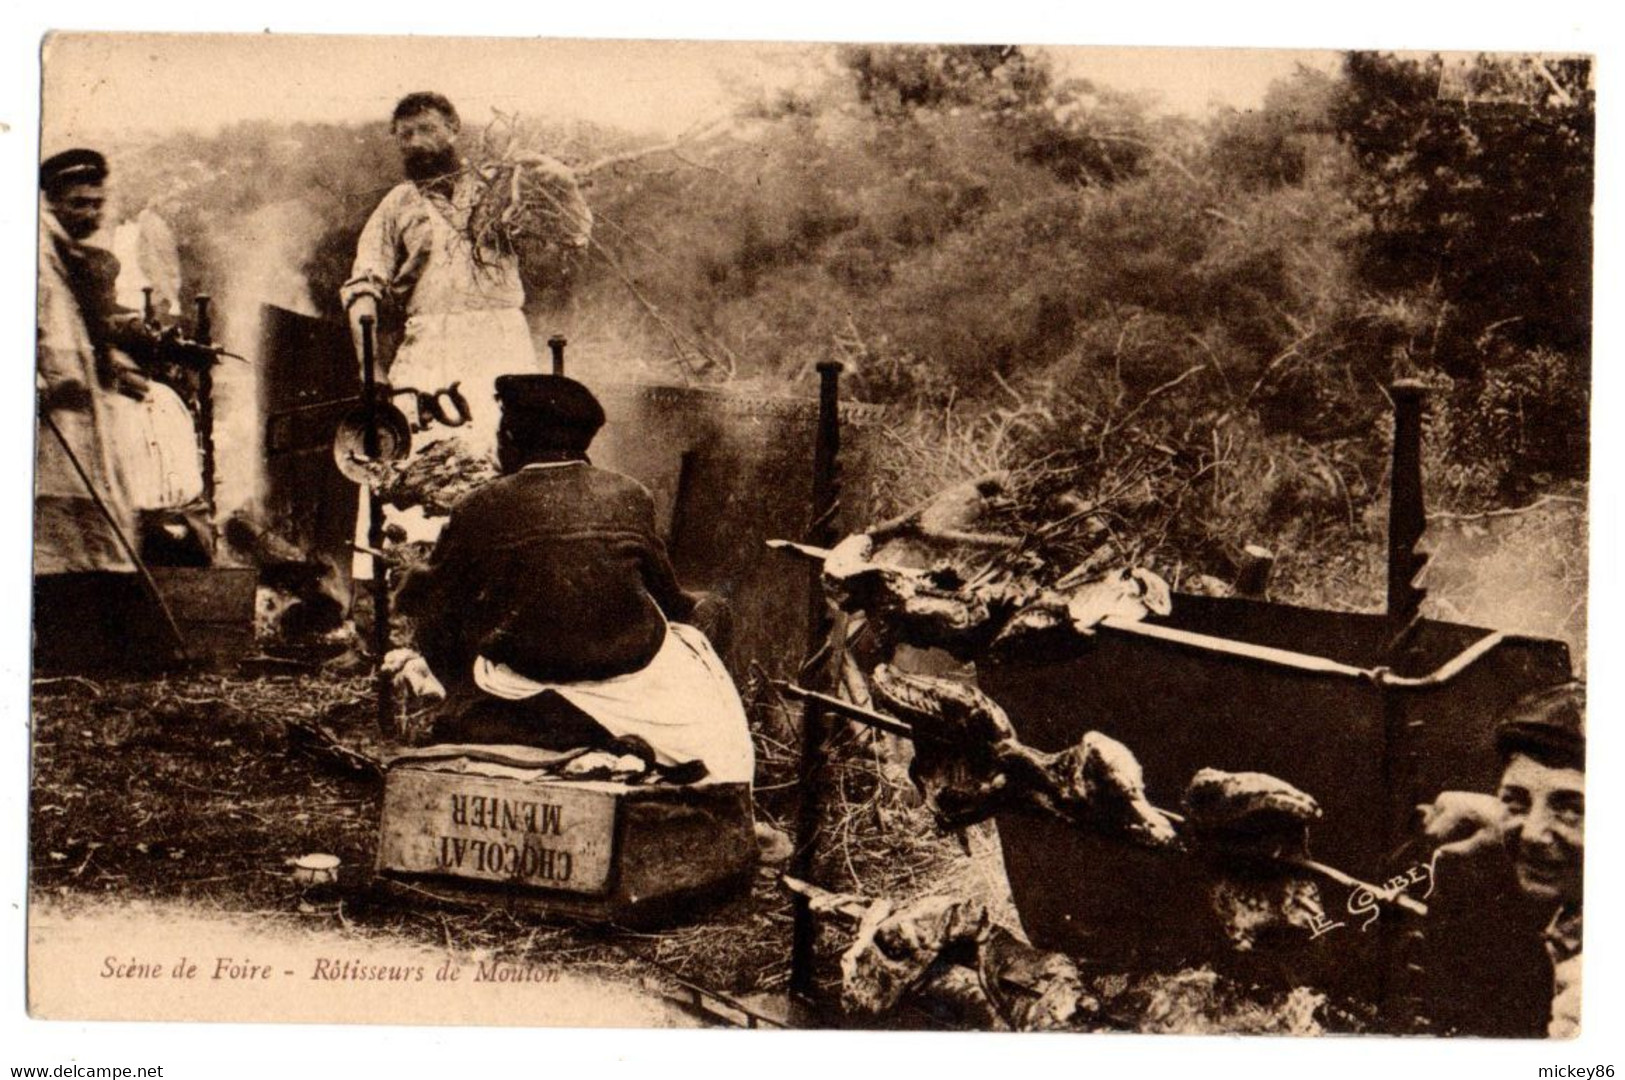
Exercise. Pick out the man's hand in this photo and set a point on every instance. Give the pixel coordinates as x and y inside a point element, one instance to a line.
<point>409,674</point>
<point>132,382</point>
<point>1463,822</point>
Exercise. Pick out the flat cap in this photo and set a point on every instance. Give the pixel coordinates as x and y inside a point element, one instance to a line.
<point>1548,725</point>
<point>551,401</point>
<point>76,166</point>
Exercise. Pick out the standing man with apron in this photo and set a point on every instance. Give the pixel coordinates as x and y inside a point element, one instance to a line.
<point>464,324</point>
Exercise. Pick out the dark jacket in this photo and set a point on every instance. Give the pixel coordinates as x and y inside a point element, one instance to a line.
<point>556,572</point>
<point>1484,968</point>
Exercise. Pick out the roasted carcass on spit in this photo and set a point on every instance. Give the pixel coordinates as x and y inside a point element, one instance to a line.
<point>927,608</point>
<point>940,607</point>
<point>1098,780</point>
<point>1249,814</point>
<point>1252,828</point>
<point>970,765</point>
<point>960,735</point>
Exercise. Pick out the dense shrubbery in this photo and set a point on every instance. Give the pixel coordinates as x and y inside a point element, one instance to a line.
<point>1192,322</point>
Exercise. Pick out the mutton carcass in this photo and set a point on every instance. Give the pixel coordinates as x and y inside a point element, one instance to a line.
<point>1237,709</point>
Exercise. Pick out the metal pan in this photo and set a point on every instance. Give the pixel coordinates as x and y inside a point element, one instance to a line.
<point>350,439</point>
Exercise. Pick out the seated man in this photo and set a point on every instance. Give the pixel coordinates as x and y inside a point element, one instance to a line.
<point>550,612</point>
<point>1503,932</point>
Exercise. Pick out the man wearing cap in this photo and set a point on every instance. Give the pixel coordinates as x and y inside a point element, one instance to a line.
<point>1504,931</point>
<point>84,579</point>
<point>549,613</point>
<point>416,258</point>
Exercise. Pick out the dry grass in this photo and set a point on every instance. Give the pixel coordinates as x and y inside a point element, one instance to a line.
<point>189,789</point>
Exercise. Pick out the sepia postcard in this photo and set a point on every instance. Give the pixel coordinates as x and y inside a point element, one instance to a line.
<point>913,537</point>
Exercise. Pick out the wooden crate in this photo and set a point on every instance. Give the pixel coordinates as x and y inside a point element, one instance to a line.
<point>213,607</point>
<point>595,850</point>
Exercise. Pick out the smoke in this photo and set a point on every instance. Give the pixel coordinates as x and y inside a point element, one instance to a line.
<point>1521,571</point>
<point>260,262</point>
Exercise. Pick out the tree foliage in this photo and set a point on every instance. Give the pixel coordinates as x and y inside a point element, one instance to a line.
<point>1479,187</point>
<point>1196,318</point>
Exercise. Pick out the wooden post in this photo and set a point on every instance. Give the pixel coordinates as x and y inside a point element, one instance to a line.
<point>375,534</point>
<point>1407,519</point>
<point>1406,516</point>
<point>826,489</point>
<point>1253,574</point>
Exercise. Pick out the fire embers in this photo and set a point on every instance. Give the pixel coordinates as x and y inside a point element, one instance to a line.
<point>1250,829</point>
<point>970,765</point>
<point>945,957</point>
<point>894,949</point>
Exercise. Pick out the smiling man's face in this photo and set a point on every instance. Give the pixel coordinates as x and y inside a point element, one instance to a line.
<point>1544,830</point>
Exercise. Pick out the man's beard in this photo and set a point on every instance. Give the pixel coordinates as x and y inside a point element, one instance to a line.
<point>426,165</point>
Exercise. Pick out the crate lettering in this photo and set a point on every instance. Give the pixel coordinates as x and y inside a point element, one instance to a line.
<point>506,815</point>
<point>545,834</point>
<point>516,860</point>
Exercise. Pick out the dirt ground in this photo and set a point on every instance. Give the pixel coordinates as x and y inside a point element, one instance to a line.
<point>188,793</point>
<point>167,811</point>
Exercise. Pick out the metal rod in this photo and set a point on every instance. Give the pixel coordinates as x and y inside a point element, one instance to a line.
<point>177,641</point>
<point>555,345</point>
<point>810,773</point>
<point>908,731</point>
<point>203,334</point>
<point>1407,518</point>
<point>375,534</point>
<point>1306,662</point>
<point>1391,896</point>
<point>847,709</point>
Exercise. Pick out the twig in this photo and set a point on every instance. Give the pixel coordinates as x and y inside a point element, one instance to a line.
<point>79,679</point>
<point>1510,511</point>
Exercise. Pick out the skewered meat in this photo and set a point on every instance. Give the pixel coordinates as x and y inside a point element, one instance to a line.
<point>939,608</point>
<point>970,764</point>
<point>1249,813</point>
<point>1098,782</point>
<point>942,709</point>
<point>927,608</point>
<point>958,730</point>
<point>1245,823</point>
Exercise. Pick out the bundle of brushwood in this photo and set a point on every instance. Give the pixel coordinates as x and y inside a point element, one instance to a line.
<point>528,205</point>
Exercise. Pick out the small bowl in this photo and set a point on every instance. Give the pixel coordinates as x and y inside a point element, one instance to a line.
<point>316,869</point>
